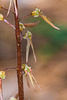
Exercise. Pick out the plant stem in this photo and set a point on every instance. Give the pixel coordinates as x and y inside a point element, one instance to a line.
<point>18,46</point>
<point>6,9</point>
<point>1,95</point>
<point>25,16</point>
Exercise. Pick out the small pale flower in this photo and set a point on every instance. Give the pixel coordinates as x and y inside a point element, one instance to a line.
<point>2,74</point>
<point>1,17</point>
<point>36,12</point>
<point>12,98</point>
<point>28,71</point>
<point>28,37</point>
<point>21,26</point>
<point>26,68</point>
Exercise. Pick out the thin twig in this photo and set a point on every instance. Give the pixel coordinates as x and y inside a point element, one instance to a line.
<point>10,68</point>
<point>7,9</point>
<point>25,16</point>
<point>13,68</point>
<point>9,23</point>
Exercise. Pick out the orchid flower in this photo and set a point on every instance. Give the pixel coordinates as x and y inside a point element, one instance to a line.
<point>38,13</point>
<point>28,37</point>
<point>28,71</point>
<point>2,76</point>
<point>22,26</point>
<point>2,19</point>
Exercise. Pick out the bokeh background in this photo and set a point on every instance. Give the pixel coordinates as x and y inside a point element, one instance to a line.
<point>50,45</point>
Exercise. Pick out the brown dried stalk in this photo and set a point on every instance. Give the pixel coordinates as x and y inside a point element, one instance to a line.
<point>18,46</point>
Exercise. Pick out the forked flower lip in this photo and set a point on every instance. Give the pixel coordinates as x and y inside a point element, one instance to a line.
<point>37,12</point>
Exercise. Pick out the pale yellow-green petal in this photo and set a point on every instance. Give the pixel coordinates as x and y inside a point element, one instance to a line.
<point>9,7</point>
<point>15,8</point>
<point>21,26</point>
<point>50,23</point>
<point>1,17</point>
<point>12,98</point>
<point>2,74</point>
<point>27,49</point>
<point>34,13</point>
<point>35,82</point>
<point>31,80</point>
<point>33,50</point>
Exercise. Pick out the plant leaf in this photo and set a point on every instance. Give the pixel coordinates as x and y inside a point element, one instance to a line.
<point>50,23</point>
